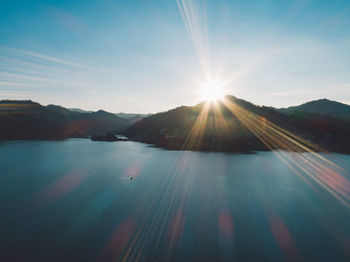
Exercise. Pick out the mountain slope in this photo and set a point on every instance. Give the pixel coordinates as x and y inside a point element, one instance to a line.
<point>227,130</point>
<point>98,122</point>
<point>229,125</point>
<point>132,118</point>
<point>78,110</point>
<point>30,120</point>
<point>321,106</point>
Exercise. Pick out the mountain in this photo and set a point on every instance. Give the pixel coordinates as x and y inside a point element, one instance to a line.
<point>98,122</point>
<point>133,118</point>
<point>30,120</point>
<point>79,110</point>
<point>321,106</point>
<point>235,126</point>
<point>232,124</point>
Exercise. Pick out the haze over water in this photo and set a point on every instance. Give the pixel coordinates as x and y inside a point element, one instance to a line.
<point>73,200</point>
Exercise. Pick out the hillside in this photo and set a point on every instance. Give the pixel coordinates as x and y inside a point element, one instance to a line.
<point>321,106</point>
<point>30,120</point>
<point>226,130</point>
<point>78,110</point>
<point>232,125</point>
<point>132,118</point>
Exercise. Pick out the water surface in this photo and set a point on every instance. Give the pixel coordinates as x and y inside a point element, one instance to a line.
<point>74,200</point>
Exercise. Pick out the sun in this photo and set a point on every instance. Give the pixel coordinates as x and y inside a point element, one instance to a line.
<point>212,90</point>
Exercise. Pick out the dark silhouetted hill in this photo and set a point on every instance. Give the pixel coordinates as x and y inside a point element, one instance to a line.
<point>30,120</point>
<point>225,132</point>
<point>78,110</point>
<point>321,106</point>
<point>133,118</point>
<point>182,127</point>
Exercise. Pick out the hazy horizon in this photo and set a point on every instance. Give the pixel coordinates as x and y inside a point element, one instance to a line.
<point>146,57</point>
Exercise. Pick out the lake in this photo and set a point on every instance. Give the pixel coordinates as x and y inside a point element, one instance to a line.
<point>78,200</point>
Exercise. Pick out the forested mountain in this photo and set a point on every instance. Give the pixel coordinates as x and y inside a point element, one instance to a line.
<point>321,106</point>
<point>229,125</point>
<point>232,126</point>
<point>30,120</point>
<point>133,118</point>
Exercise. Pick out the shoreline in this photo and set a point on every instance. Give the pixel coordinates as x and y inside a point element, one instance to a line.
<point>154,145</point>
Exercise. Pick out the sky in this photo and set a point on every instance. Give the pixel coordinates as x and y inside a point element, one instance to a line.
<point>150,56</point>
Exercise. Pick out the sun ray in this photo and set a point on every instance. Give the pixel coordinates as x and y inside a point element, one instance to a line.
<point>311,167</point>
<point>194,18</point>
<point>159,216</point>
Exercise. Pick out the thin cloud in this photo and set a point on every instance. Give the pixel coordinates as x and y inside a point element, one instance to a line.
<point>47,58</point>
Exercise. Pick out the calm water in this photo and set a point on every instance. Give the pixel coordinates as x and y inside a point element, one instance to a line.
<point>74,200</point>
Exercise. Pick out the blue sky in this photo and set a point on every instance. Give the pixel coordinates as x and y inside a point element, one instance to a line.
<point>137,56</point>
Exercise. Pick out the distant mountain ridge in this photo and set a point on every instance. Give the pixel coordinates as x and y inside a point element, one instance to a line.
<point>30,120</point>
<point>132,118</point>
<point>321,106</point>
<point>78,110</point>
<point>323,123</point>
